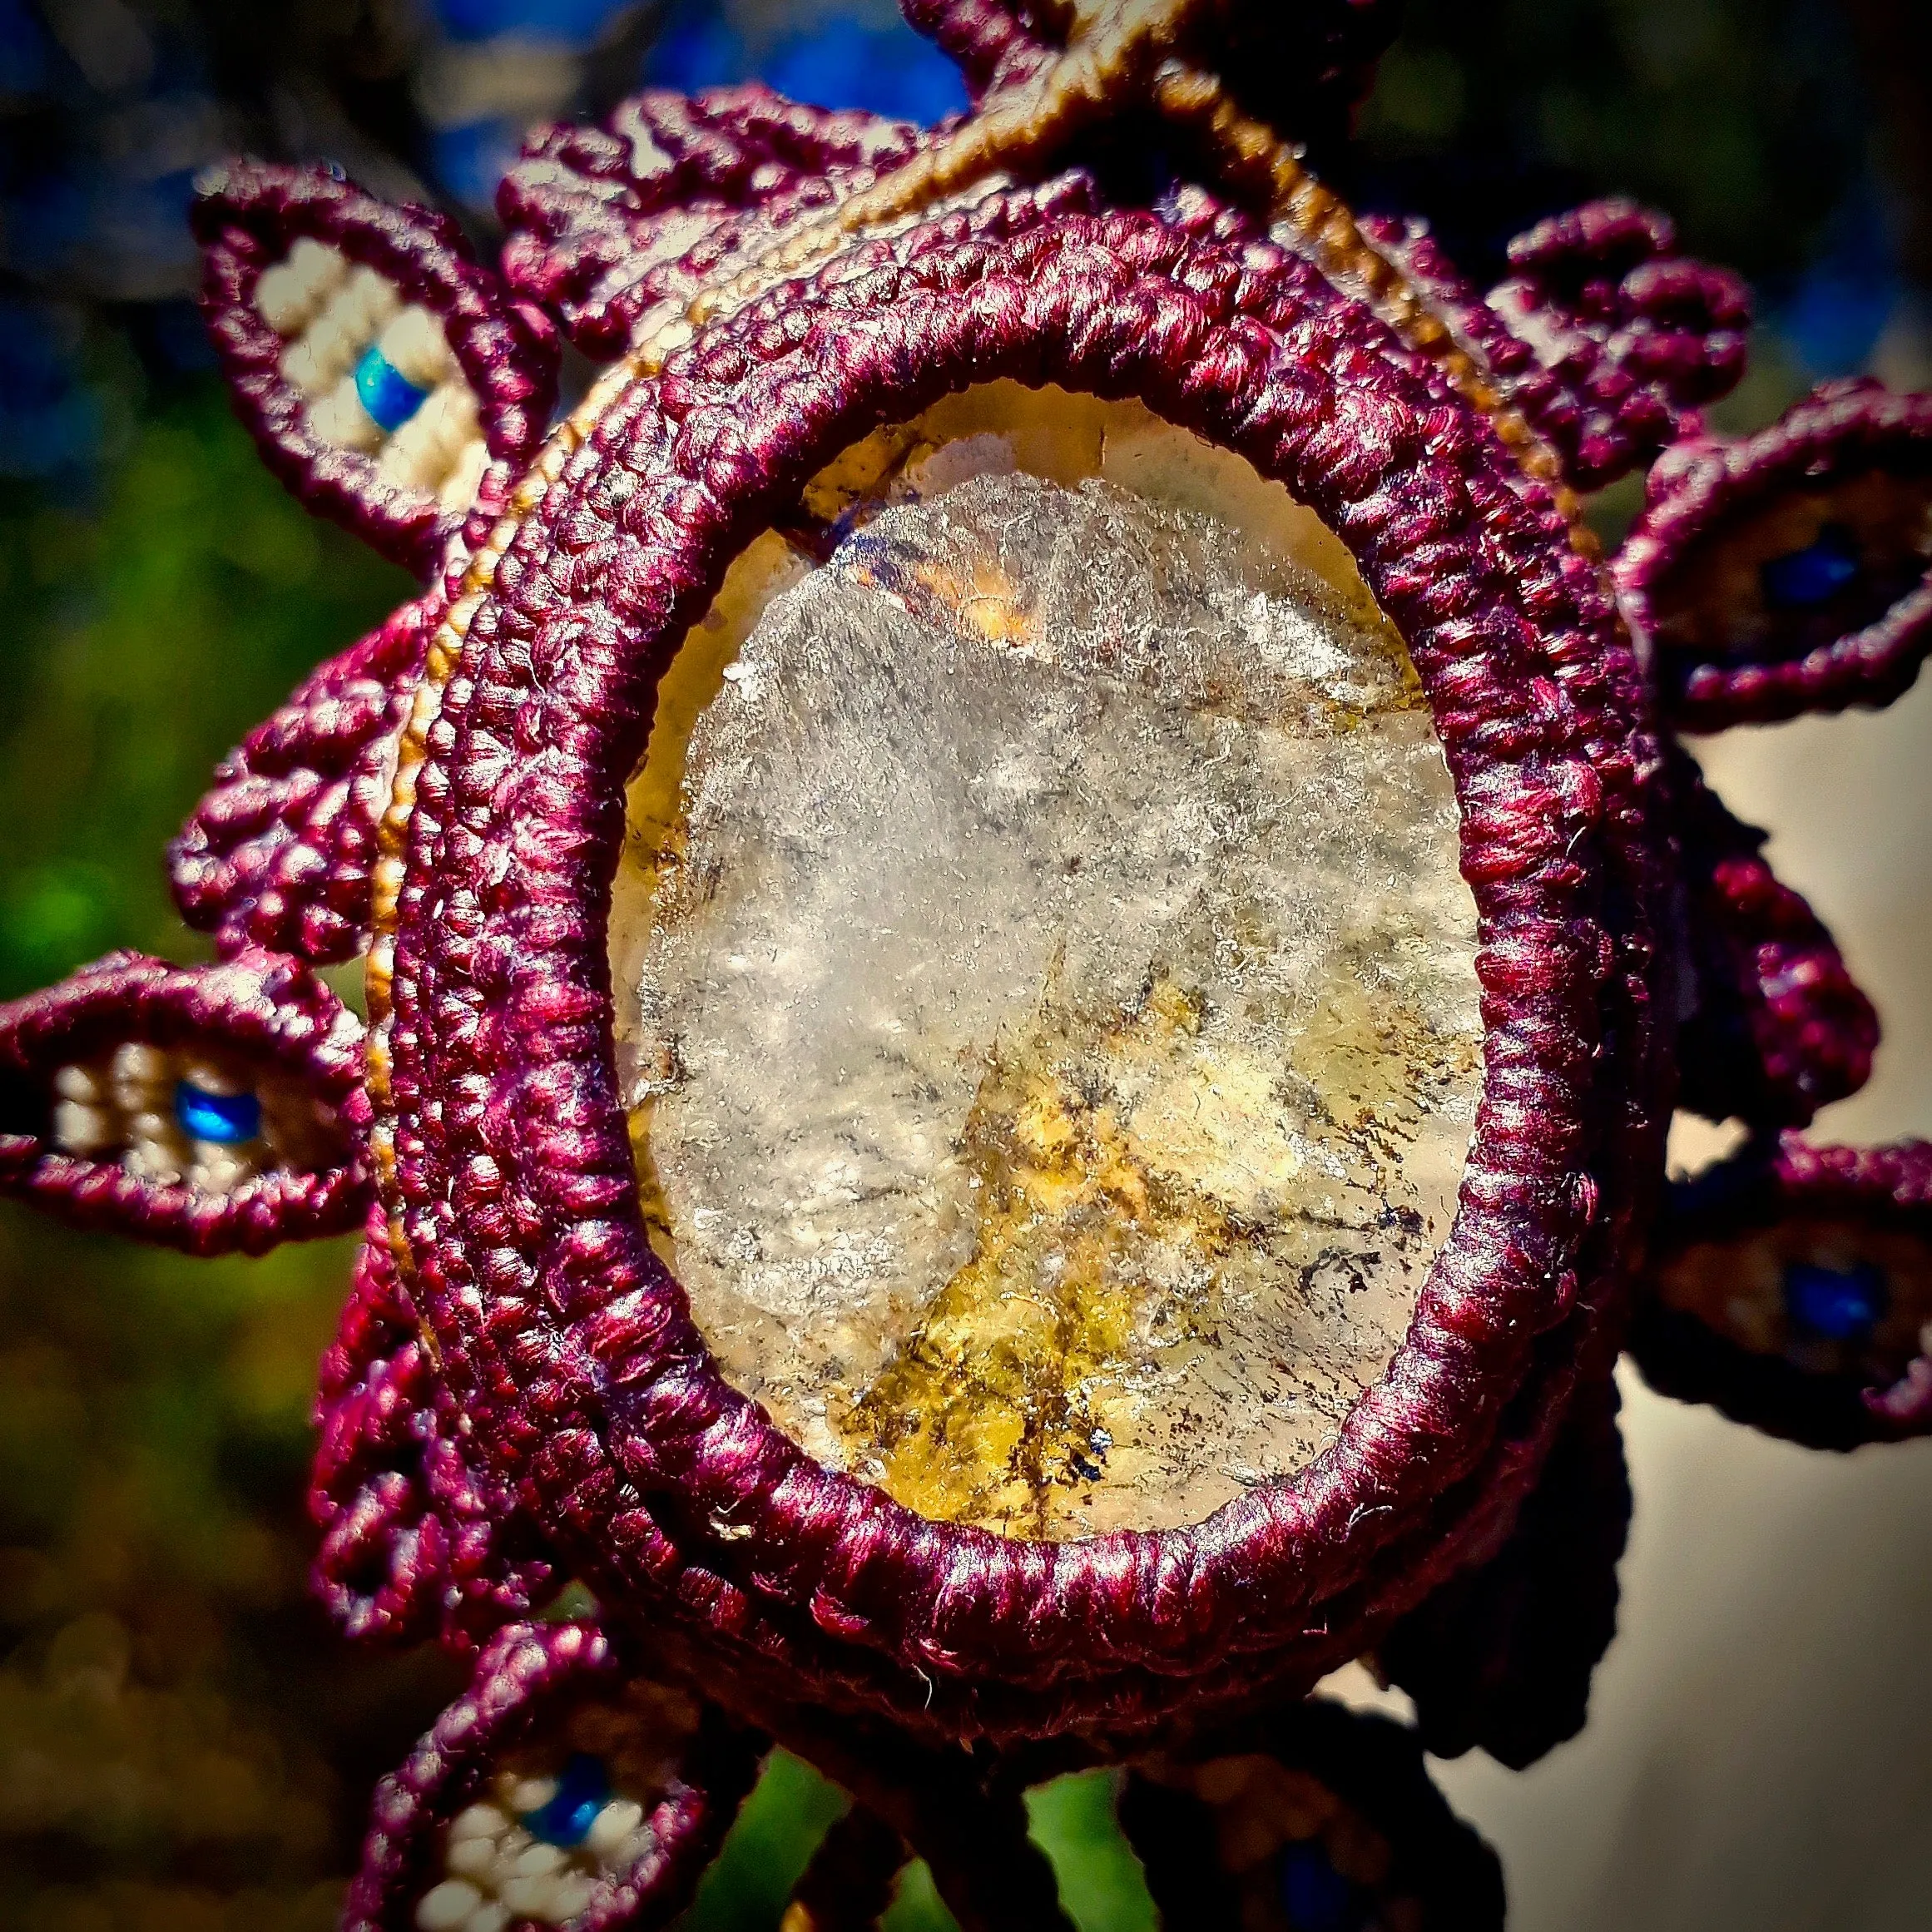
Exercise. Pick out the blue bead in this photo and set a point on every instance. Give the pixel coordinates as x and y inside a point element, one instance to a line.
<point>387,394</point>
<point>225,1118</point>
<point>1315,1896</point>
<point>583,1788</point>
<point>1840,1305</point>
<point>1813,576</point>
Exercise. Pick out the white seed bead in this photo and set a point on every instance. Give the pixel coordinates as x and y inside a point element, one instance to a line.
<point>529,1794</point>
<point>490,1917</point>
<point>445,1908</point>
<point>478,1822</point>
<point>539,1860</point>
<point>372,299</point>
<point>330,348</point>
<point>503,1856</point>
<point>635,1849</point>
<point>459,487</point>
<point>339,419</point>
<point>422,451</point>
<point>571,1895</point>
<point>414,347</point>
<point>288,295</point>
<point>528,1898</point>
<point>307,369</point>
<point>211,1078</point>
<point>408,461</point>
<point>80,1129</point>
<point>154,1153</point>
<point>140,1075</point>
<point>217,1169</point>
<point>612,1826</point>
<point>470,1858</point>
<point>81,1083</point>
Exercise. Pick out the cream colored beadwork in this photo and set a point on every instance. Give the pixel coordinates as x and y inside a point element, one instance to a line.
<point>331,314</point>
<point>121,1108</point>
<point>499,1873</point>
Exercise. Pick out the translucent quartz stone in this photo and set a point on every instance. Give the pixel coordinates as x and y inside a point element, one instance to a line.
<point>1049,1007</point>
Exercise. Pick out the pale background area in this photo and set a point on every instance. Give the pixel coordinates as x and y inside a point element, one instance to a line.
<point>1759,1753</point>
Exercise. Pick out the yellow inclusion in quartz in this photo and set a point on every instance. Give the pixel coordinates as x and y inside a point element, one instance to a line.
<point>1045,987</point>
<point>1093,1148</point>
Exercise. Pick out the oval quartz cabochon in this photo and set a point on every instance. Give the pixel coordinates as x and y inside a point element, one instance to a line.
<point>1046,989</point>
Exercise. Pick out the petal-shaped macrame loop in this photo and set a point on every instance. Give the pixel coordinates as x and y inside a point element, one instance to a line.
<point>672,194</point>
<point>418,1539</point>
<point>1792,1290</point>
<point>389,378</point>
<point>207,1107</point>
<point>1605,338</point>
<point>994,42</point>
<point>560,1789</point>
<point>1318,1816</point>
<point>1778,1028</point>
<point>1503,1655</point>
<point>281,849</point>
<point>1790,571</point>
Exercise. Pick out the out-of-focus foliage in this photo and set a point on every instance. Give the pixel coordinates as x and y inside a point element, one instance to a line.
<point>1744,118</point>
<point>147,629</point>
<point>1750,120</point>
<point>183,1745</point>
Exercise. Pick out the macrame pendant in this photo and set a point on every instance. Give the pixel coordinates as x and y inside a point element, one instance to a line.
<point>1030,918</point>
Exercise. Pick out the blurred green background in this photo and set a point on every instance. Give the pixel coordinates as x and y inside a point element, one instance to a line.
<point>184,1746</point>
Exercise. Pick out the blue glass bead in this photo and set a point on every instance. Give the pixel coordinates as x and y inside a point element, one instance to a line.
<point>1315,1896</point>
<point>225,1118</point>
<point>1840,1305</point>
<point>583,1788</point>
<point>1813,576</point>
<point>387,394</point>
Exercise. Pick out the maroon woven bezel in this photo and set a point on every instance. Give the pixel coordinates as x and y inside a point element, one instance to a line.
<point>1841,430</point>
<point>528,1673</point>
<point>247,217</point>
<point>571,1348</point>
<point>259,1005</point>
